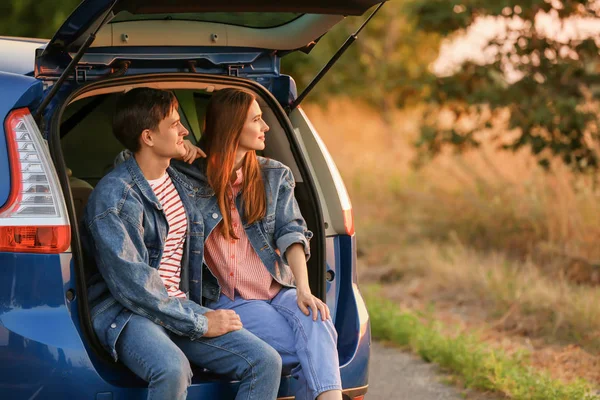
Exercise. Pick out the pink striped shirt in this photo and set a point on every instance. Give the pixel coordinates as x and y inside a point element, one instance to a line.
<point>170,263</point>
<point>234,263</point>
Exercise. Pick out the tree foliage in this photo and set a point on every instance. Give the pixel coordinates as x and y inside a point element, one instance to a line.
<point>387,65</point>
<point>34,18</point>
<point>547,80</point>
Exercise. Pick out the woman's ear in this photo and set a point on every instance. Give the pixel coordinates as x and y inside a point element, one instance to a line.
<point>146,138</point>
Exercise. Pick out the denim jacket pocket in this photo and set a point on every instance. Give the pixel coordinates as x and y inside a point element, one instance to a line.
<point>153,256</point>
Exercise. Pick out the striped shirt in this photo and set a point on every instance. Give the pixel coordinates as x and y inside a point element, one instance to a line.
<point>170,263</point>
<point>234,263</point>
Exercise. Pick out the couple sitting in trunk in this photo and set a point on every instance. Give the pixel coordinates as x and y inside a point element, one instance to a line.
<point>224,226</point>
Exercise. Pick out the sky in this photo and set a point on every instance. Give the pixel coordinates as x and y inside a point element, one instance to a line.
<point>471,44</point>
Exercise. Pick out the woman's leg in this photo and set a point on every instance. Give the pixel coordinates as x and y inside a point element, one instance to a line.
<point>308,348</point>
<point>146,349</point>
<point>263,320</point>
<point>316,347</point>
<point>260,318</point>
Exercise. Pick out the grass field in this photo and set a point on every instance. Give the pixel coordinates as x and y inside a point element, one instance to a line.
<point>486,238</point>
<point>472,363</point>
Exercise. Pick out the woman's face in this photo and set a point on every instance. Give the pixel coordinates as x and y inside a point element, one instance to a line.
<point>253,132</point>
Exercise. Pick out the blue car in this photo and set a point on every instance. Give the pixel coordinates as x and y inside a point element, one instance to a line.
<point>57,99</point>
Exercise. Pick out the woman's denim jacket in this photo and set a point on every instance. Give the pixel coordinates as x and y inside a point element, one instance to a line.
<point>270,237</point>
<point>123,233</point>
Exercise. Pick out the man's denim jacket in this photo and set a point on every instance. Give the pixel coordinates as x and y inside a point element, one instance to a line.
<point>123,231</point>
<point>270,237</point>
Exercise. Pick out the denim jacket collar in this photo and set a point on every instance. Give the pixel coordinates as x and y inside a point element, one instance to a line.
<point>142,183</point>
<point>196,171</point>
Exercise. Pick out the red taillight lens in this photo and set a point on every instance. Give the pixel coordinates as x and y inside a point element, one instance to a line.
<point>349,221</point>
<point>361,397</point>
<point>35,239</point>
<point>34,218</point>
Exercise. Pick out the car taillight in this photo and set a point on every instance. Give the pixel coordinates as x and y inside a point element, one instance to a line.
<point>34,218</point>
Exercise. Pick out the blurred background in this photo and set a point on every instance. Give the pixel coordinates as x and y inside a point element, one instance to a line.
<point>470,149</point>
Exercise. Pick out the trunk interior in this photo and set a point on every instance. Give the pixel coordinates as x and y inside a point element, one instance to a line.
<point>84,150</point>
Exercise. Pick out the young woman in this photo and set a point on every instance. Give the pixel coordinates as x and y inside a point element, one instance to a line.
<point>256,244</point>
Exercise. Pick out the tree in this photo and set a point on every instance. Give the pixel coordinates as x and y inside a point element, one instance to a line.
<point>387,66</point>
<point>539,67</point>
<point>34,18</point>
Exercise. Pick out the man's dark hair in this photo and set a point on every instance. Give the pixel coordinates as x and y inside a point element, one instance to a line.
<point>140,109</point>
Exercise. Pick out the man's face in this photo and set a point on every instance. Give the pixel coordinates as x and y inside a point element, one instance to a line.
<point>168,137</point>
<point>253,132</point>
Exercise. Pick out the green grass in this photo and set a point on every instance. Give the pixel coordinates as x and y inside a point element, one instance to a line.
<point>470,359</point>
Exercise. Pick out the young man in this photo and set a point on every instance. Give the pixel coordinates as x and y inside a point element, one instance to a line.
<point>142,230</point>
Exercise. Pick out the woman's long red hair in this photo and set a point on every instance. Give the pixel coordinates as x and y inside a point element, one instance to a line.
<point>226,115</point>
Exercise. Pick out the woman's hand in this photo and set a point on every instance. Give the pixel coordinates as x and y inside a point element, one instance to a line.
<point>192,153</point>
<point>306,300</point>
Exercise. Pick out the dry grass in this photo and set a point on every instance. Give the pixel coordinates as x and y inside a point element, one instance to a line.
<point>489,199</point>
<point>517,296</point>
<point>487,234</point>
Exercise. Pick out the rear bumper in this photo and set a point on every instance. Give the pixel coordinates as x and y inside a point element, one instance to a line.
<point>349,394</point>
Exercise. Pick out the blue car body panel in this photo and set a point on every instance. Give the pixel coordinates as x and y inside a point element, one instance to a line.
<point>42,354</point>
<point>351,317</point>
<point>44,357</point>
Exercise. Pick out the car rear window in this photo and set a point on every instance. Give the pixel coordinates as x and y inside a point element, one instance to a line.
<point>247,19</point>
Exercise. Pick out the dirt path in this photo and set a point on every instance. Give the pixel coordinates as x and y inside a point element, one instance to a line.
<point>396,375</point>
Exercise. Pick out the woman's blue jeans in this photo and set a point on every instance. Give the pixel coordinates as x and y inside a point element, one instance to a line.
<point>161,358</point>
<point>308,348</point>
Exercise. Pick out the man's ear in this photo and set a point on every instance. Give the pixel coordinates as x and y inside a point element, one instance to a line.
<point>146,138</point>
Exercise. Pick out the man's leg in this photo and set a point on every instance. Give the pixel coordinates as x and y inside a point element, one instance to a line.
<point>146,349</point>
<point>240,355</point>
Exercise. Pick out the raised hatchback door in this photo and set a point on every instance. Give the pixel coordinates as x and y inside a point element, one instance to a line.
<point>273,24</point>
<point>103,38</point>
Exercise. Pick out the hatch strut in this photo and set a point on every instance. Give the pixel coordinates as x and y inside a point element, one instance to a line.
<point>86,45</point>
<point>333,60</point>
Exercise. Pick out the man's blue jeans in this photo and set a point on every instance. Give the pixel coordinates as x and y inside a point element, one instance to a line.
<point>161,359</point>
<point>308,348</point>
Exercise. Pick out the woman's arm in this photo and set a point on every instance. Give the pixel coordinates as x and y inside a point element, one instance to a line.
<point>291,238</point>
<point>290,227</point>
<point>297,262</point>
<point>192,153</point>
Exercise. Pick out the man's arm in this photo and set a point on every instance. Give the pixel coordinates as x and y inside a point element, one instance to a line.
<point>137,286</point>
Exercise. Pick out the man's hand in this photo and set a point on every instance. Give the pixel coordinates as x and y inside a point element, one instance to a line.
<point>191,152</point>
<point>221,322</point>
<point>306,300</point>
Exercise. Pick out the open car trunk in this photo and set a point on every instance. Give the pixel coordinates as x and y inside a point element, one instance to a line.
<point>108,46</point>
<point>84,150</point>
